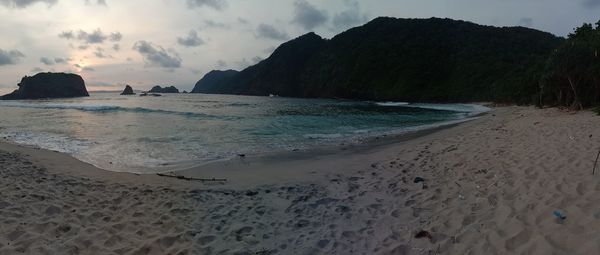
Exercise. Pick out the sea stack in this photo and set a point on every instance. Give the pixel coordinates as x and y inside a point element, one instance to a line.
<point>127,91</point>
<point>49,85</point>
<point>159,89</point>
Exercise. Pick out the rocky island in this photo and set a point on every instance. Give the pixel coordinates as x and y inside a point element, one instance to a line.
<point>159,89</point>
<point>127,91</point>
<point>49,85</point>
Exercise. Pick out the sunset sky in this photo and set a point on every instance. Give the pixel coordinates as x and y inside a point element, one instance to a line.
<point>175,42</point>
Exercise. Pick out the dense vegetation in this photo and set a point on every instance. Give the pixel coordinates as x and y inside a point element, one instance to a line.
<point>439,60</point>
<point>572,73</point>
<point>213,79</point>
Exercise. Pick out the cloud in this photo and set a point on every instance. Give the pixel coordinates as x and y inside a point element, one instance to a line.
<point>98,2</point>
<point>100,53</point>
<point>61,60</point>
<point>10,57</point>
<point>116,47</point>
<point>270,32</point>
<point>94,37</point>
<point>350,17</point>
<point>156,55</point>
<point>242,64</point>
<point>50,61</point>
<point>46,61</point>
<point>525,22</point>
<point>115,37</point>
<point>308,16</point>
<point>84,68</point>
<point>20,4</point>
<point>221,63</point>
<point>591,3</point>
<point>215,4</point>
<point>214,24</point>
<point>195,71</point>
<point>37,70</point>
<point>256,59</point>
<point>192,40</point>
<point>90,38</point>
<point>242,20</point>
<point>269,50</point>
<point>66,35</point>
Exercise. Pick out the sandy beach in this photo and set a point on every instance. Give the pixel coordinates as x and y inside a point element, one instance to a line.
<point>490,186</point>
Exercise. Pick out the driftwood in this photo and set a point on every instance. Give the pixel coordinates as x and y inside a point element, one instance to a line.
<point>181,177</point>
<point>595,163</point>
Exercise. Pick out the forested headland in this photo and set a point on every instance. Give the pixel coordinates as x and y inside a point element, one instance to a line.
<point>427,60</point>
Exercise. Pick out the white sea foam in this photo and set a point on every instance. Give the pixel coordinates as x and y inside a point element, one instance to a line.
<point>464,108</point>
<point>391,103</point>
<point>323,136</point>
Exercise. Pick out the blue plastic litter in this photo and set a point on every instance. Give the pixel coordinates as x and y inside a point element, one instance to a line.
<point>559,215</point>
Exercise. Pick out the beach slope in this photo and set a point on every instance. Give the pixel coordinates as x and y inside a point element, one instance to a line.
<point>488,186</point>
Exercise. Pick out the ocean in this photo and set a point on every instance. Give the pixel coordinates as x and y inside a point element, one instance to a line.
<point>178,131</point>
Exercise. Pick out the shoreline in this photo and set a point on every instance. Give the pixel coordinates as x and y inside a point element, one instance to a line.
<point>238,168</point>
<point>487,186</point>
<point>361,144</point>
<point>194,154</point>
<point>321,160</point>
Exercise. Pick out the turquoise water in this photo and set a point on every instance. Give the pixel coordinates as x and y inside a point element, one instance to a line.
<point>176,131</point>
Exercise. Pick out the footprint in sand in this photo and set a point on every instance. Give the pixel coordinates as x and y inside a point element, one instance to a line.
<point>581,188</point>
<point>168,241</point>
<point>52,210</point>
<point>323,243</point>
<point>517,240</point>
<point>240,233</point>
<point>204,240</point>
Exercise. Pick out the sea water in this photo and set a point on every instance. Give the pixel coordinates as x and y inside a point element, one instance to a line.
<point>176,131</point>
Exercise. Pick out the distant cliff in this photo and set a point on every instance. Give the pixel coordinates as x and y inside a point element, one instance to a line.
<point>398,59</point>
<point>49,85</point>
<point>159,89</point>
<point>213,79</point>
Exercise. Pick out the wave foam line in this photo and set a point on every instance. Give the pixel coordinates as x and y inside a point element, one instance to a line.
<point>102,109</point>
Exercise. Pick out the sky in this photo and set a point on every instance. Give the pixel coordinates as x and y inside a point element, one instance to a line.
<point>175,42</point>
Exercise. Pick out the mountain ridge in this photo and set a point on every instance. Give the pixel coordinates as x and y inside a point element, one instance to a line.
<point>438,60</point>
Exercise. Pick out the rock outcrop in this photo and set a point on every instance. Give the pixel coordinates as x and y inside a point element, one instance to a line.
<point>128,91</point>
<point>159,89</point>
<point>49,85</point>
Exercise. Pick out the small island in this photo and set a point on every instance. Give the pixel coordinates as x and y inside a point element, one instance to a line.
<point>127,91</point>
<point>159,89</point>
<point>49,85</point>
